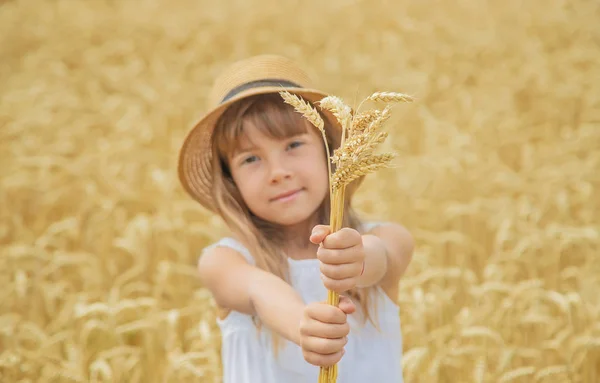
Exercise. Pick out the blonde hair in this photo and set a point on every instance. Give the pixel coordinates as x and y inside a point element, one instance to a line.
<point>278,120</point>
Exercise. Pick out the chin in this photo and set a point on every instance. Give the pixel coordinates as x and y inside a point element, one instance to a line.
<point>289,218</point>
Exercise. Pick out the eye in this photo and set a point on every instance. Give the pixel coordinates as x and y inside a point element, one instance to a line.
<point>295,144</point>
<point>249,160</point>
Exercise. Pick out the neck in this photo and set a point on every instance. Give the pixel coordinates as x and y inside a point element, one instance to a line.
<point>296,240</point>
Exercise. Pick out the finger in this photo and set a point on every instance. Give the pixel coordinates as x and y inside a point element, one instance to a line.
<point>339,286</point>
<point>347,306</point>
<point>325,313</point>
<point>339,257</point>
<point>323,346</point>
<point>313,327</point>
<point>319,233</point>
<point>343,271</point>
<point>322,360</point>
<point>342,239</point>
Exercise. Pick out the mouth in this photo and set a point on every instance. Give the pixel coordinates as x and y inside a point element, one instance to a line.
<point>286,196</point>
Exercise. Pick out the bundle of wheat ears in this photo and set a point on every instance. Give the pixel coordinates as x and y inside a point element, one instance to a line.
<point>355,157</point>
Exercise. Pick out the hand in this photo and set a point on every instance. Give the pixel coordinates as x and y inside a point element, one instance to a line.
<point>341,255</point>
<point>324,332</point>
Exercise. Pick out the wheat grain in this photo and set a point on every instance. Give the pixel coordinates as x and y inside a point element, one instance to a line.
<point>369,145</point>
<point>552,372</point>
<point>483,332</point>
<point>358,146</point>
<point>467,350</point>
<point>119,351</point>
<point>414,357</point>
<point>362,120</point>
<point>378,122</point>
<point>100,370</point>
<point>389,97</point>
<point>136,326</point>
<point>506,357</point>
<point>345,175</point>
<point>83,310</point>
<point>341,111</point>
<point>479,371</point>
<point>517,373</point>
<point>303,107</point>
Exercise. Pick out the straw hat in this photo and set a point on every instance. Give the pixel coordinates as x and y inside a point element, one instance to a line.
<point>256,75</point>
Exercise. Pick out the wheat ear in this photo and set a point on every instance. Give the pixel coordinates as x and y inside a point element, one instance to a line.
<point>341,111</point>
<point>311,114</point>
<point>362,120</point>
<point>389,97</point>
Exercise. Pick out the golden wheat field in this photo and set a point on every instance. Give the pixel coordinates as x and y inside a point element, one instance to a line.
<point>498,179</point>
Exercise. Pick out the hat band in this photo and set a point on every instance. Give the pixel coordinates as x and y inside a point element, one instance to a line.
<point>258,84</point>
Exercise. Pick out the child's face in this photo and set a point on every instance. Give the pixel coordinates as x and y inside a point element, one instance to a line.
<point>283,181</point>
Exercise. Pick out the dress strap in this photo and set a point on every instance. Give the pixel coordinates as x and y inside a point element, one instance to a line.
<point>232,244</point>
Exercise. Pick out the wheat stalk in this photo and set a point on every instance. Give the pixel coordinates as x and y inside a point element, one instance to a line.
<point>354,158</point>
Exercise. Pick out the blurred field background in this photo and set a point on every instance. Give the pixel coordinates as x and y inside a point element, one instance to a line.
<point>498,178</point>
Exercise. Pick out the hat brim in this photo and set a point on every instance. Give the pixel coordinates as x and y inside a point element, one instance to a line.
<point>195,156</point>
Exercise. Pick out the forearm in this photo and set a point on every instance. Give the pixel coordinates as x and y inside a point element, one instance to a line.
<point>278,306</point>
<point>376,261</point>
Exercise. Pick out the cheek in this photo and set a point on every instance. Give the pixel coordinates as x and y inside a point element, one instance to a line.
<point>319,169</point>
<point>322,158</point>
<point>325,179</point>
<point>248,189</point>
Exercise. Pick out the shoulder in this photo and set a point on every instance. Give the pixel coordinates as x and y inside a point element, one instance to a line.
<point>225,249</point>
<point>220,257</point>
<point>399,244</point>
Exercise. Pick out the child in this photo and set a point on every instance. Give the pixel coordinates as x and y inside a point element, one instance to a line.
<point>263,168</point>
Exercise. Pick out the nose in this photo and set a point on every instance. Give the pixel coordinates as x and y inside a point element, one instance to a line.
<point>279,171</point>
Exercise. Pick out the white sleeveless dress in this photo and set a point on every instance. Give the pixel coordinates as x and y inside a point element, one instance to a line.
<point>372,355</point>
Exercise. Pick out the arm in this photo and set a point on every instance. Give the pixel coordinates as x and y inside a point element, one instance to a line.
<point>388,251</point>
<point>239,286</point>
<point>376,261</point>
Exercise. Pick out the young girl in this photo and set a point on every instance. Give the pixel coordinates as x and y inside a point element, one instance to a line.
<point>263,168</point>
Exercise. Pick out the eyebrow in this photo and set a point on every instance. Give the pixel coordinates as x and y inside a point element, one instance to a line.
<point>243,149</point>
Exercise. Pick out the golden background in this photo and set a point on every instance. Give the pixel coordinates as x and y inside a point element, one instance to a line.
<point>498,179</point>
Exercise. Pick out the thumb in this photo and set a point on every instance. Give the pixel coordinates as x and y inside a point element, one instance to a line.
<point>346,305</point>
<point>319,233</point>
